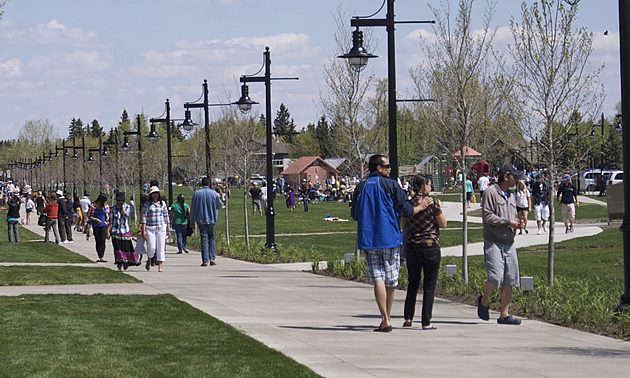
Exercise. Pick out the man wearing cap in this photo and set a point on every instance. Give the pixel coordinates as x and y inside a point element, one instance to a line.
<point>567,196</point>
<point>540,194</point>
<point>256,195</point>
<point>500,222</point>
<point>85,203</point>
<point>62,215</point>
<point>204,210</point>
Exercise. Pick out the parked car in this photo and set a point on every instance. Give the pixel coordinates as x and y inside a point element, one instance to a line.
<point>589,178</point>
<point>614,177</point>
<point>258,179</point>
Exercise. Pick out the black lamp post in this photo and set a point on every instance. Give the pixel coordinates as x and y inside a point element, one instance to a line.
<point>153,137</point>
<point>245,105</point>
<point>64,154</point>
<point>106,154</point>
<point>126,147</point>
<point>102,153</point>
<point>624,42</point>
<point>75,156</point>
<point>358,58</point>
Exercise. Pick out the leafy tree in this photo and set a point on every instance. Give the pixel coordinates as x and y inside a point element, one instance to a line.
<point>306,143</point>
<point>469,90</point>
<point>283,125</point>
<point>553,60</point>
<point>343,101</point>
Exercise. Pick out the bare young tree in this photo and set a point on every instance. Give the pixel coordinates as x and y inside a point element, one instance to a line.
<point>462,75</point>
<point>554,63</point>
<point>343,100</point>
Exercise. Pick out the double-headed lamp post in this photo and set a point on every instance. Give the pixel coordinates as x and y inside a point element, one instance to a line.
<point>358,57</point>
<point>153,137</point>
<point>245,105</point>
<point>126,147</point>
<point>64,154</point>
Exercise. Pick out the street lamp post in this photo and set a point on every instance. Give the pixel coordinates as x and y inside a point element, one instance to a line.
<point>105,153</point>
<point>245,105</point>
<point>101,154</point>
<point>75,156</point>
<point>64,154</point>
<point>126,147</point>
<point>153,137</point>
<point>358,57</point>
<point>624,44</point>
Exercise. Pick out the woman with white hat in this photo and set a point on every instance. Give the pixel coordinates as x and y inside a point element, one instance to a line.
<point>155,227</point>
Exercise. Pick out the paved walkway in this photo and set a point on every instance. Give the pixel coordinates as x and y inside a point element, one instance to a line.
<point>326,324</point>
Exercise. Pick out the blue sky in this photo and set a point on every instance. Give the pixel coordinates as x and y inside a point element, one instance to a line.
<point>91,59</point>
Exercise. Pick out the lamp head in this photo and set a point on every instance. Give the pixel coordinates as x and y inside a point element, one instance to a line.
<point>188,124</point>
<point>90,159</point>
<point>153,136</point>
<point>126,146</point>
<point>245,103</point>
<point>358,55</point>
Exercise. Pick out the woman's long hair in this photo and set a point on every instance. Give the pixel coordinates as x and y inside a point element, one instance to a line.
<point>100,201</point>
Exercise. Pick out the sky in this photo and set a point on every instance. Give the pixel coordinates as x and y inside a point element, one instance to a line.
<point>91,59</point>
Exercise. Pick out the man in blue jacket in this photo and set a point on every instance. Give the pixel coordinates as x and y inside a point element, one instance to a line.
<point>378,203</point>
<point>204,210</point>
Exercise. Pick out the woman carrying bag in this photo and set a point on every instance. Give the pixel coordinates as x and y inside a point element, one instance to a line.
<point>155,227</point>
<point>181,213</point>
<point>98,214</point>
<point>124,253</point>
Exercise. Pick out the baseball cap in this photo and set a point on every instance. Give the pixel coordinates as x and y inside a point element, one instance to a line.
<point>566,177</point>
<point>509,169</point>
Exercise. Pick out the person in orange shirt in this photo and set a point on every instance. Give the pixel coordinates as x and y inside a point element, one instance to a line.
<point>50,210</point>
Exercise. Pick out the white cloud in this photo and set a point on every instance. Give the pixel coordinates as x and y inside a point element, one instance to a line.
<point>91,61</point>
<point>53,33</point>
<point>10,68</point>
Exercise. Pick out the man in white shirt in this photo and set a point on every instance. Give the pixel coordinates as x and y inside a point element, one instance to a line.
<point>483,183</point>
<point>263,194</point>
<point>85,206</point>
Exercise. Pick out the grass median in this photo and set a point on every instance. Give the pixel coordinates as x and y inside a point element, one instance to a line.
<point>26,275</point>
<point>128,336</point>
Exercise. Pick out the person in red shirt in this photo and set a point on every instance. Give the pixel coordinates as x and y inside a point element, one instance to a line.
<point>51,211</point>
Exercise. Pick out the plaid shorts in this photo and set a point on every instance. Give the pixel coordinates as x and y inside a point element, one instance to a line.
<point>383,265</point>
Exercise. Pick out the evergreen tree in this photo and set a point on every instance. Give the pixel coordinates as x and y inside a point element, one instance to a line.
<point>76,129</point>
<point>322,135</point>
<point>125,123</point>
<point>283,125</point>
<point>96,130</point>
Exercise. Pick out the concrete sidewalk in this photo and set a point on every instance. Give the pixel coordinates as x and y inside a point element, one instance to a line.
<point>327,324</point>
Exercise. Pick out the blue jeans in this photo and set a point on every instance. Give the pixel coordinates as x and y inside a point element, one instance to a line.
<point>182,238</point>
<point>208,242</point>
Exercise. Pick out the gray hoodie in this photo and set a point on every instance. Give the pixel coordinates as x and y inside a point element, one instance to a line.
<point>497,211</point>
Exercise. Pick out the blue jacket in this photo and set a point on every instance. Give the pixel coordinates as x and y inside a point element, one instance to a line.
<point>205,206</point>
<point>378,202</point>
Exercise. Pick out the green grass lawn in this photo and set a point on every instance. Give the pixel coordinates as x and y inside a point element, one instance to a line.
<point>599,256</point>
<point>31,250</point>
<point>128,336</point>
<point>60,275</point>
<point>586,213</point>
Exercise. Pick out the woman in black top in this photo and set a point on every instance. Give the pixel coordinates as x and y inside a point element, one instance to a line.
<point>423,251</point>
<point>13,218</point>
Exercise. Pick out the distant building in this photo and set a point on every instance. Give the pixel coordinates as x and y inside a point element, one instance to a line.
<point>309,169</point>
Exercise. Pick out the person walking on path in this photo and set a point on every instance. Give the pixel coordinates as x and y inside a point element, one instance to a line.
<point>98,215</point>
<point>500,222</point>
<point>40,203</point>
<point>540,195</point>
<point>124,253</point>
<point>155,227</point>
<point>204,210</point>
<point>29,206</point>
<point>567,196</point>
<point>61,215</point>
<point>378,201</point>
<point>469,191</point>
<point>50,210</point>
<point>256,194</point>
<point>523,205</point>
<point>85,203</point>
<point>13,218</point>
<point>423,251</point>
<point>180,214</point>
<point>69,217</point>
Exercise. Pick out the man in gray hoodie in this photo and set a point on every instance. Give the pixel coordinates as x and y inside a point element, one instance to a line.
<point>500,222</point>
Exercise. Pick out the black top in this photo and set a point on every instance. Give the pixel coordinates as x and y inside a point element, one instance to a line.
<point>14,209</point>
<point>255,192</point>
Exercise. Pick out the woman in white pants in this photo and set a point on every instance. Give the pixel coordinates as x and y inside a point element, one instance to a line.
<point>155,227</point>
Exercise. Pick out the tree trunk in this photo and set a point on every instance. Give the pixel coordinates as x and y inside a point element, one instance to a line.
<point>227,199</point>
<point>245,214</point>
<point>552,212</point>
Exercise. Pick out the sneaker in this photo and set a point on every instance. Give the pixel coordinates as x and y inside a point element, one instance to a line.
<point>566,230</point>
<point>70,241</point>
<point>539,232</point>
<point>545,228</point>
<point>571,228</point>
<point>212,263</point>
<point>509,320</point>
<point>482,311</point>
